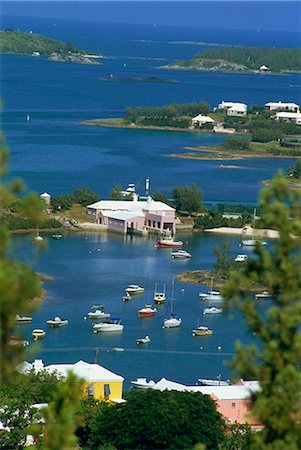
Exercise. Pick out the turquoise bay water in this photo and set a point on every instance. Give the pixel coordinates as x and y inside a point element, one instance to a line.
<point>53,153</point>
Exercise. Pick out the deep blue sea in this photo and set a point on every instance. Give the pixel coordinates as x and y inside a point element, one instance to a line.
<point>52,152</point>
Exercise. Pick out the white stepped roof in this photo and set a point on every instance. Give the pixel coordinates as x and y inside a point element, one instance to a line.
<point>282,105</point>
<point>123,205</point>
<point>238,107</point>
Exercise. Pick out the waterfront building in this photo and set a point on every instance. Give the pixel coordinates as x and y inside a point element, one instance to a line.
<point>200,120</point>
<point>46,197</point>
<point>99,382</point>
<point>225,105</point>
<point>134,216</point>
<point>274,106</point>
<point>294,117</point>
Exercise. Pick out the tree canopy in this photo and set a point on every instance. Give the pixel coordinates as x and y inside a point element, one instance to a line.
<point>159,420</point>
<point>188,198</point>
<point>275,361</point>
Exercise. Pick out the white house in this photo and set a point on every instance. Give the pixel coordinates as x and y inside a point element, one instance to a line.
<point>46,197</point>
<point>264,68</point>
<point>225,105</point>
<point>201,120</point>
<point>294,117</point>
<point>272,106</point>
<point>237,110</point>
<point>122,216</point>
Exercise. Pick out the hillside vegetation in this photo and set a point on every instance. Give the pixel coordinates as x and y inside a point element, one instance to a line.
<point>244,59</point>
<point>20,42</point>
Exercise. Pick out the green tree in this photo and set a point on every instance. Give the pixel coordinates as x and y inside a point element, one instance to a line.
<point>188,198</point>
<point>60,415</point>
<point>238,437</point>
<point>159,420</point>
<point>233,143</point>
<point>85,196</point>
<point>116,193</point>
<point>275,362</point>
<point>295,170</point>
<point>160,197</point>
<point>224,259</point>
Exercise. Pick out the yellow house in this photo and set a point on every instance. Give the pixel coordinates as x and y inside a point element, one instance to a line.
<point>98,381</point>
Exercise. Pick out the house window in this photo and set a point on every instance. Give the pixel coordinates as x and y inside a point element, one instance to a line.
<point>149,223</point>
<point>233,405</point>
<point>106,390</point>
<point>91,390</point>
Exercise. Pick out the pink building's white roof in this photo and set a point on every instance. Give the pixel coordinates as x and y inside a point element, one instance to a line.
<point>132,206</point>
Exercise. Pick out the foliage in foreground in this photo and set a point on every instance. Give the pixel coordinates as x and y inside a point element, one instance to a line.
<point>275,363</point>
<point>158,420</point>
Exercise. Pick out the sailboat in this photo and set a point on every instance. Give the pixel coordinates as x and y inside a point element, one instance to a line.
<point>173,321</point>
<point>211,294</point>
<point>252,241</point>
<point>159,296</point>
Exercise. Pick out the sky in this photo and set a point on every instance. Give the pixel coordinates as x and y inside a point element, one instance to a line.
<point>239,14</point>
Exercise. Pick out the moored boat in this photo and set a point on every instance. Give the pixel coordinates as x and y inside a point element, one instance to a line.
<point>180,254</point>
<point>56,236</point>
<point>98,314</point>
<point>172,322</point>
<point>168,241</point>
<point>263,295</point>
<point>159,296</point>
<point>134,289</point>
<point>144,340</point>
<point>57,322</point>
<point>241,258</point>
<point>212,310</point>
<point>208,382</point>
<point>202,331</point>
<point>38,333</point>
<point>23,319</point>
<point>141,383</point>
<point>211,296</point>
<point>108,326</point>
<point>147,311</point>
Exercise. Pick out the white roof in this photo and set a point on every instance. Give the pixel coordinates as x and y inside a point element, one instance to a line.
<point>123,205</point>
<point>201,118</point>
<point>263,67</point>
<point>225,104</point>
<point>238,107</point>
<point>124,215</point>
<point>45,194</point>
<point>289,115</point>
<point>282,104</point>
<point>89,372</point>
<point>227,392</point>
<point>168,385</point>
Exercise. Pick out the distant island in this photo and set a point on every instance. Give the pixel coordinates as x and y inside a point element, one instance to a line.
<point>28,43</point>
<point>243,60</point>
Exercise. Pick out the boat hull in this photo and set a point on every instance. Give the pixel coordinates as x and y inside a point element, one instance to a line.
<point>171,244</point>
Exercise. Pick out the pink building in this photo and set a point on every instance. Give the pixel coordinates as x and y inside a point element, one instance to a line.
<point>123,215</point>
<point>232,401</point>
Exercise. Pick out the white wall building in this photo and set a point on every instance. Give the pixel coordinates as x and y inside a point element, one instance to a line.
<point>201,120</point>
<point>225,105</point>
<point>122,215</point>
<point>274,106</point>
<point>294,117</point>
<point>237,110</point>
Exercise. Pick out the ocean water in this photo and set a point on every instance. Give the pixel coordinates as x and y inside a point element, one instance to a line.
<point>53,152</point>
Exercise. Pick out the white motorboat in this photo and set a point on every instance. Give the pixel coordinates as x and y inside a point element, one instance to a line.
<point>159,296</point>
<point>108,326</point>
<point>141,383</point>
<point>134,289</point>
<point>180,254</point>
<point>212,310</point>
<point>217,382</point>
<point>144,340</point>
<point>241,258</point>
<point>98,314</point>
<point>23,319</point>
<point>263,295</point>
<point>202,331</point>
<point>57,322</point>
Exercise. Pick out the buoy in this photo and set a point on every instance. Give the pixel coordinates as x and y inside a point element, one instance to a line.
<point>85,318</point>
<point>219,348</point>
<point>98,249</point>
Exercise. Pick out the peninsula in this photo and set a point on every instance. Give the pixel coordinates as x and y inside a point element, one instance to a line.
<point>31,44</point>
<point>242,60</point>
